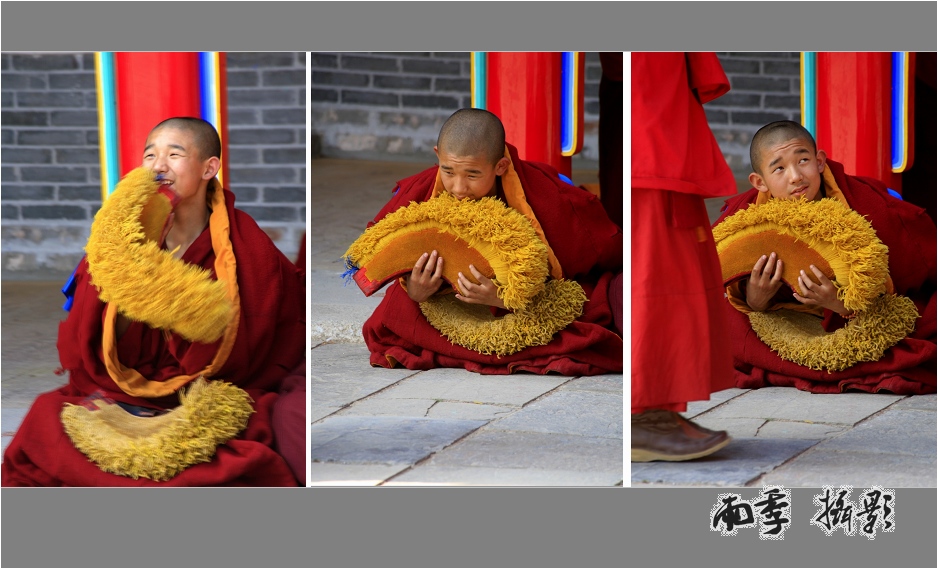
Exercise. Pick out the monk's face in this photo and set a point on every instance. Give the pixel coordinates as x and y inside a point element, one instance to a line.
<point>469,177</point>
<point>172,153</point>
<point>790,170</point>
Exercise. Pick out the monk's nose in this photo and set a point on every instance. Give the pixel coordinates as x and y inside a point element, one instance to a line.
<point>159,165</point>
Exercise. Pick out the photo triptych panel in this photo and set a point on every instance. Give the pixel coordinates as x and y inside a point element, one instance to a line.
<point>350,268</point>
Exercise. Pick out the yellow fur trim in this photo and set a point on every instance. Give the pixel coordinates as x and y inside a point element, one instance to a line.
<point>158,448</point>
<point>514,195</point>
<point>844,238</point>
<point>502,235</point>
<point>799,337</point>
<point>472,326</point>
<point>145,282</point>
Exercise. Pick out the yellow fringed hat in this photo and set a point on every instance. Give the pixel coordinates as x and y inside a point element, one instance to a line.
<point>844,246</point>
<point>146,283</point>
<point>500,242</point>
<point>158,448</point>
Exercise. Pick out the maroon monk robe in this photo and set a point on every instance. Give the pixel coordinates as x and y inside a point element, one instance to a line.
<point>270,342</point>
<point>679,348</point>
<point>908,368</point>
<point>289,422</point>
<point>588,248</point>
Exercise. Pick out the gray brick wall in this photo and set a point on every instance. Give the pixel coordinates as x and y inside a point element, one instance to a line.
<point>51,170</point>
<point>391,105</point>
<point>765,87</point>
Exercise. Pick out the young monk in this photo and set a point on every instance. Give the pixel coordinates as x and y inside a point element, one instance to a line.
<point>788,165</point>
<point>475,162</point>
<point>268,342</point>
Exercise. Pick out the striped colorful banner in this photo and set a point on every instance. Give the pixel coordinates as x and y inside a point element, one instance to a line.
<point>136,91</point>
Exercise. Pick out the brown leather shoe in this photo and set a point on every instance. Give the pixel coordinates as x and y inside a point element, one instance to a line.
<point>666,435</point>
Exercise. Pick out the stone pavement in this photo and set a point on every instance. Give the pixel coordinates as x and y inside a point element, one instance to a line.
<point>374,426</point>
<point>31,311</point>
<point>799,439</point>
<point>396,427</point>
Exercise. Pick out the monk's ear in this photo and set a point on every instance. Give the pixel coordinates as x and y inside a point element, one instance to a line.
<point>436,151</point>
<point>502,166</point>
<point>821,161</point>
<point>757,182</point>
<point>212,165</point>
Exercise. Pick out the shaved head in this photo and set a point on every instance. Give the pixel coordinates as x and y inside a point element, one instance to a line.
<point>473,132</point>
<point>203,134</point>
<point>775,133</point>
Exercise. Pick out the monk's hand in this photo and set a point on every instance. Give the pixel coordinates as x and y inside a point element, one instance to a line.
<point>486,292</point>
<point>764,281</point>
<point>822,293</point>
<point>425,278</point>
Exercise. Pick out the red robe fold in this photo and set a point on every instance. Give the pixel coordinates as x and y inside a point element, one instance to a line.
<point>908,368</point>
<point>679,347</point>
<point>588,247</point>
<point>270,343</point>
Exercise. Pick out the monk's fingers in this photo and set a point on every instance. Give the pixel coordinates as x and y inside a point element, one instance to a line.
<point>807,286</point>
<point>438,273</point>
<point>465,285</point>
<point>802,299</point>
<point>777,275</point>
<point>479,276</point>
<point>432,262</point>
<point>821,277</point>
<point>420,264</point>
<point>757,268</point>
<point>813,286</point>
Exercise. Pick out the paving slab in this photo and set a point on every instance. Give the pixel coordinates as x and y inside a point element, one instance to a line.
<point>736,427</point>
<point>695,408</point>
<point>334,474</point>
<point>384,406</point>
<point>11,419</point>
<point>32,311</point>
<point>341,374</point>
<point>317,412</point>
<point>383,440</point>
<point>338,309</point>
<point>800,430</point>
<point>905,432</point>
<point>817,468</point>
<point>774,429</point>
<point>585,413</point>
<point>388,406</point>
<point>609,383</point>
<point>474,411</point>
<point>923,402</point>
<point>739,463</point>
<point>793,405</point>
<point>470,476</point>
<point>460,385</point>
<point>538,451</point>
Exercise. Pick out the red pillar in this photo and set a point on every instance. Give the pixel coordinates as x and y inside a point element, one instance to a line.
<point>854,97</point>
<point>524,90</point>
